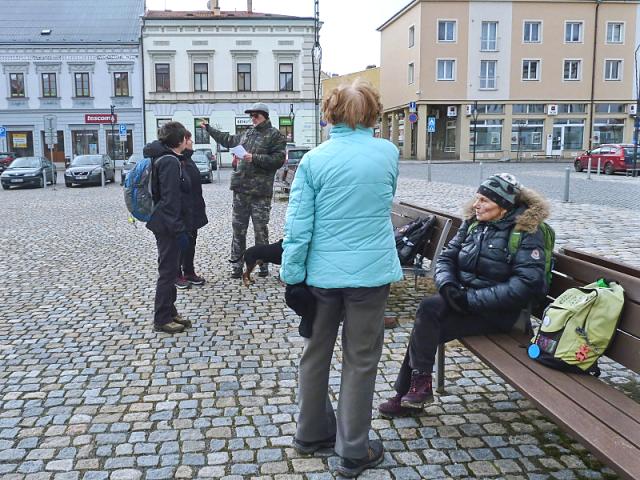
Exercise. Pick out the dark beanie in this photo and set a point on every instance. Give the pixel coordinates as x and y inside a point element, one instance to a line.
<point>502,188</point>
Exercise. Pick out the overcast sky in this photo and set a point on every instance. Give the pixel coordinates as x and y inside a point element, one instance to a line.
<point>348,37</point>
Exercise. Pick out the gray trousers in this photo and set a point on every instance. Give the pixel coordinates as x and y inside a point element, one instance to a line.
<point>362,337</point>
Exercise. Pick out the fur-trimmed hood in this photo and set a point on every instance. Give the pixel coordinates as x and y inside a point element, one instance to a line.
<point>531,211</point>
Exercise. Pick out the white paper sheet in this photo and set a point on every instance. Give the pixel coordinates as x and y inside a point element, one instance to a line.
<point>238,151</point>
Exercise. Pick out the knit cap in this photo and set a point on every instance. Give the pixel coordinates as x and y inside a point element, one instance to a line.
<point>502,188</point>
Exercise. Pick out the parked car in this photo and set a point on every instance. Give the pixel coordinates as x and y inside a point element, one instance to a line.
<point>292,158</point>
<point>5,160</point>
<point>87,169</point>
<point>614,157</point>
<point>129,165</point>
<point>210,156</point>
<point>204,165</point>
<point>293,155</point>
<point>28,171</point>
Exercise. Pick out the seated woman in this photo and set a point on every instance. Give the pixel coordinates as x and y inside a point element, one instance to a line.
<point>481,288</point>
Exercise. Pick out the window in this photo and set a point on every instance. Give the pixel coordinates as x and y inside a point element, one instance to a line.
<point>615,32</point>
<point>610,107</point>
<point>161,121</point>
<point>488,74</point>
<point>613,70</point>
<point>163,77</point>
<point>49,85</point>
<point>531,70</point>
<point>200,77</point>
<point>532,32</point>
<point>82,84</point>
<point>286,128</point>
<point>446,69</point>
<point>488,135</point>
<point>489,40</point>
<point>529,108</point>
<point>447,31</point>
<point>286,77</point>
<point>16,82</point>
<point>572,108</point>
<point>608,130</point>
<point>84,142</point>
<point>244,77</point>
<point>572,69</point>
<point>121,84</point>
<point>491,108</point>
<point>526,135</point>
<point>410,74</point>
<point>412,36</point>
<point>201,135</point>
<point>573,32</point>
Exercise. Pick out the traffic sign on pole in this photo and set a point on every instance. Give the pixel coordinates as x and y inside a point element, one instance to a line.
<point>412,107</point>
<point>123,132</point>
<point>3,132</point>
<point>413,117</point>
<point>431,124</point>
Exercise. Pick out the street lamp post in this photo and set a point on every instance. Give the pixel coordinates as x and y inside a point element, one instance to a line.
<point>113,135</point>
<point>474,115</point>
<point>636,117</point>
<point>292,117</point>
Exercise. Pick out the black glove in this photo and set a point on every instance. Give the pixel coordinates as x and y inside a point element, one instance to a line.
<point>299,298</point>
<point>184,241</point>
<point>455,297</point>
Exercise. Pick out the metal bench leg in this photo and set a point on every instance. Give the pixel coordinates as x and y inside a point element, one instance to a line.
<point>440,368</point>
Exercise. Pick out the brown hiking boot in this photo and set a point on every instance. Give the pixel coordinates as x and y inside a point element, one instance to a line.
<point>171,327</point>
<point>420,391</point>
<point>182,321</point>
<point>352,467</point>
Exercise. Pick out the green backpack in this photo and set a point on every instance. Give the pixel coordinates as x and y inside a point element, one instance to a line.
<point>578,327</point>
<point>515,238</point>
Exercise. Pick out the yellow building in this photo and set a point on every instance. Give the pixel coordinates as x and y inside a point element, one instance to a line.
<point>509,79</point>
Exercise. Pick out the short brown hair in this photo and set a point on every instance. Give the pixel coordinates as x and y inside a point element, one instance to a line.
<point>172,134</point>
<point>354,104</point>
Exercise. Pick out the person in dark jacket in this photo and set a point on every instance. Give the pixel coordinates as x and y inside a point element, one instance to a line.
<point>252,181</point>
<point>481,287</point>
<point>169,221</point>
<point>198,218</point>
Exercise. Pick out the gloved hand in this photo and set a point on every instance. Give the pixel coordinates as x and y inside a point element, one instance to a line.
<point>455,297</point>
<point>184,241</point>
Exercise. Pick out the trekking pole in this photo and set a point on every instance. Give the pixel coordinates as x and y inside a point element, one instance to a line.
<point>567,180</point>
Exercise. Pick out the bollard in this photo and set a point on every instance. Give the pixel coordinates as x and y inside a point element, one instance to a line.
<point>44,179</point>
<point>429,171</point>
<point>598,167</point>
<point>567,180</point>
<point>481,172</point>
<point>102,177</point>
<point>589,169</point>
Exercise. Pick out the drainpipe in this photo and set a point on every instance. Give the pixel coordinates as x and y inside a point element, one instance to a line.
<point>593,75</point>
<point>144,94</point>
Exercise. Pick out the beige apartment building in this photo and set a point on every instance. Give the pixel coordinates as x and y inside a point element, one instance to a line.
<point>509,79</point>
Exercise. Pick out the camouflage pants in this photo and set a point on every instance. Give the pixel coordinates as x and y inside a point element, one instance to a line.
<point>247,207</point>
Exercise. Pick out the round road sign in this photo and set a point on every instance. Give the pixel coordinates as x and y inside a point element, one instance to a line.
<point>413,117</point>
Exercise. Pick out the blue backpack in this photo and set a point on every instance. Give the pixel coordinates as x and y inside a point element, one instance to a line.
<point>137,190</point>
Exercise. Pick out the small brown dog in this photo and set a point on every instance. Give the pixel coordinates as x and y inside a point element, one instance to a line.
<point>259,254</point>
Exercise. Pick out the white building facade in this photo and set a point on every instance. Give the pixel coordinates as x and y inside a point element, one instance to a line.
<point>214,65</point>
<point>69,79</point>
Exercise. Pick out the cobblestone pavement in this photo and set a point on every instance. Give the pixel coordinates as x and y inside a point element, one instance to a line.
<point>89,391</point>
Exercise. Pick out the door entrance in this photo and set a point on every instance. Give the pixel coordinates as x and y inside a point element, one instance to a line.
<point>558,140</point>
<point>450,137</point>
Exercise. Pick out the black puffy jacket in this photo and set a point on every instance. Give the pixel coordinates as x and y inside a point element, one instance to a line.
<point>171,191</point>
<point>480,261</point>
<point>196,207</point>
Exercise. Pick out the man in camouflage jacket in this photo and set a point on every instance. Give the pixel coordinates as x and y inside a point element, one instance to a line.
<point>252,180</point>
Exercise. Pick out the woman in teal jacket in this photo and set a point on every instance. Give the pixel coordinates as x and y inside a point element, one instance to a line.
<point>339,240</point>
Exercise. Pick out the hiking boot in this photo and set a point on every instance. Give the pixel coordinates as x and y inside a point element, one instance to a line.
<point>352,467</point>
<point>194,279</point>
<point>390,322</point>
<point>182,321</point>
<point>182,283</point>
<point>307,448</point>
<point>171,327</point>
<point>236,272</point>
<point>420,391</point>
<point>393,408</point>
<point>264,271</point>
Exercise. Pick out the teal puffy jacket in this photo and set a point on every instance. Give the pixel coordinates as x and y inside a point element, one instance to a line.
<point>338,230</point>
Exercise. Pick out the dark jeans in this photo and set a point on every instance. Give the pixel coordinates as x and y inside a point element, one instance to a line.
<point>168,258</point>
<point>185,266</point>
<point>436,323</point>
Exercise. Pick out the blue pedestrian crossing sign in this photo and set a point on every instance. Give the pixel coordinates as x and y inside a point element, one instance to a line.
<point>3,132</point>
<point>431,124</point>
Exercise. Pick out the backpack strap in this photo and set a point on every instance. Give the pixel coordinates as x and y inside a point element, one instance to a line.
<point>515,237</point>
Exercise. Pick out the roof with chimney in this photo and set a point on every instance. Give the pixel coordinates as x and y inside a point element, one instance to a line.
<point>223,15</point>
<point>71,21</point>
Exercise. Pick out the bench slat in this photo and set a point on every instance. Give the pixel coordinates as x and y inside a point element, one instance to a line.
<point>603,261</point>
<point>608,445</point>
<point>625,349</point>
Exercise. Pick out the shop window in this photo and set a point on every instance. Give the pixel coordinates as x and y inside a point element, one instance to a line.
<point>286,128</point>
<point>84,142</point>
<point>526,135</point>
<point>200,135</point>
<point>488,135</point>
<point>120,150</point>
<point>21,142</point>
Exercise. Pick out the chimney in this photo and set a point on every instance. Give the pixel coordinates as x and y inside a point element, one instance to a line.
<point>215,7</point>
<point>249,6</point>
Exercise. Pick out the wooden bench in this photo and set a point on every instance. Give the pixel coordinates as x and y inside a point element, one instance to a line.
<point>600,416</point>
<point>401,214</point>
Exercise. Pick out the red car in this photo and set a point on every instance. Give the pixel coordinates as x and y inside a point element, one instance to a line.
<point>614,157</point>
<point>5,160</point>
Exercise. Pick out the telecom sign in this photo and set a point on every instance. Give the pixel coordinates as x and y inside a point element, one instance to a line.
<point>413,117</point>
<point>412,106</point>
<point>123,132</point>
<point>3,132</point>
<point>431,125</point>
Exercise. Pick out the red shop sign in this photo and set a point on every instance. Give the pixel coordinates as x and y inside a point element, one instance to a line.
<point>100,118</point>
